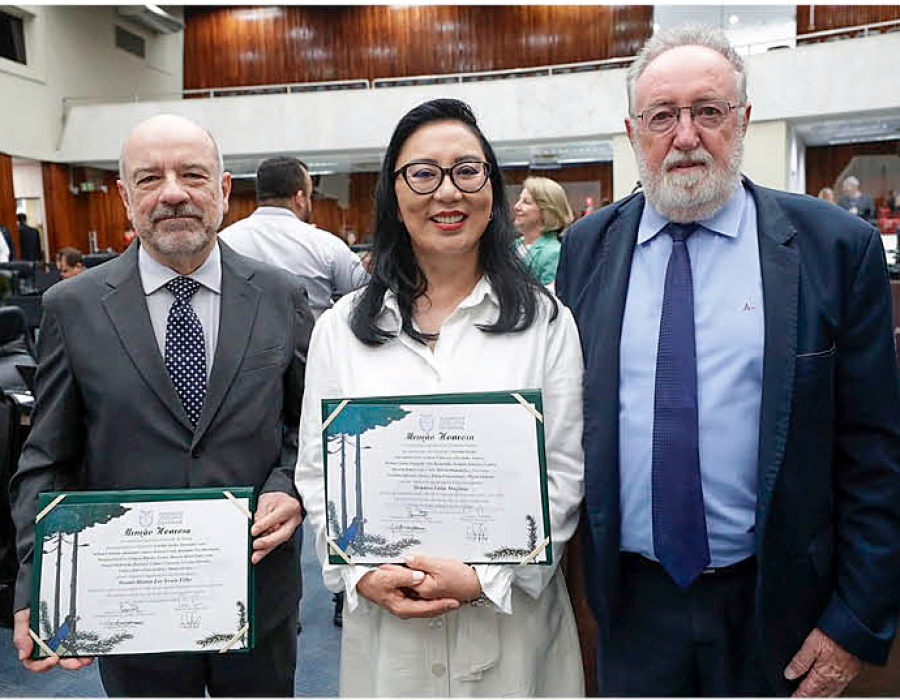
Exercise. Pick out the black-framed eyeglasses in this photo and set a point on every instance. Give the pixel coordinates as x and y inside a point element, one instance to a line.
<point>709,114</point>
<point>470,176</point>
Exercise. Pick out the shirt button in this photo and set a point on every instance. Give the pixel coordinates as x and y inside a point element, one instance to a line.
<point>438,669</point>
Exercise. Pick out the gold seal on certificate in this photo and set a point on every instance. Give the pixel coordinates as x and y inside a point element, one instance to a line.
<point>450,475</point>
<point>136,572</point>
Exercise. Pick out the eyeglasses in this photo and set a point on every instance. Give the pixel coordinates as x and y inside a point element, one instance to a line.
<point>709,115</point>
<point>424,178</point>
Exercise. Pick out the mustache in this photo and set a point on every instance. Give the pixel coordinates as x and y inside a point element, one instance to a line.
<point>181,210</point>
<point>698,155</point>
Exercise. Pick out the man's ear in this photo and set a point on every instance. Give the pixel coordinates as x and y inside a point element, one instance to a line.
<point>226,191</point>
<point>123,193</point>
<point>747,109</point>
<point>628,129</point>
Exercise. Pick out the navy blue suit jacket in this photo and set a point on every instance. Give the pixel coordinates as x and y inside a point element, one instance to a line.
<point>827,531</point>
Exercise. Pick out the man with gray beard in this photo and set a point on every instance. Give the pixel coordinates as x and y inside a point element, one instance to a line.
<point>741,433</point>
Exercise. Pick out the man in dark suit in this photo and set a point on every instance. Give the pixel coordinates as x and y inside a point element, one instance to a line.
<point>111,412</point>
<point>741,431</point>
<point>29,240</point>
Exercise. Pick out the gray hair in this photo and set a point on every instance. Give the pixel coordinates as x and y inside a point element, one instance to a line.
<point>686,35</point>
<point>851,180</point>
<point>219,158</point>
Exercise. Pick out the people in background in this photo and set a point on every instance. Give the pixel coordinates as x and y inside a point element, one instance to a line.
<point>278,233</point>
<point>448,305</point>
<point>855,201</point>
<point>29,240</point>
<point>69,262</point>
<point>542,213</point>
<point>207,350</point>
<point>741,400</point>
<point>827,194</point>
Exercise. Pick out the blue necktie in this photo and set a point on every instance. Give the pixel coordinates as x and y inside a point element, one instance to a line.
<point>679,521</point>
<point>185,348</point>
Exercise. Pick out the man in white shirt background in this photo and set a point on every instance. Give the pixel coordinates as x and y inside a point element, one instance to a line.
<point>278,233</point>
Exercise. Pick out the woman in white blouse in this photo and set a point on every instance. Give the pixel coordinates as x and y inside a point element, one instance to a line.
<point>450,309</point>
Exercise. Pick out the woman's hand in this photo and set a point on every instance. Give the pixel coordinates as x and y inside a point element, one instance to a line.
<point>444,578</point>
<point>394,588</point>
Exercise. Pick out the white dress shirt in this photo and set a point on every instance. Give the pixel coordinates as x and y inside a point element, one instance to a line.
<point>324,263</point>
<point>206,302</point>
<point>4,250</point>
<point>526,642</point>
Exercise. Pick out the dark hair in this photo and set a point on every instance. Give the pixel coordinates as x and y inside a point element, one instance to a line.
<point>280,178</point>
<point>21,218</point>
<point>72,256</point>
<point>394,266</point>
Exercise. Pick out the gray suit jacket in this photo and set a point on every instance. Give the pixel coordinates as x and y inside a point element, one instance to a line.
<point>107,415</point>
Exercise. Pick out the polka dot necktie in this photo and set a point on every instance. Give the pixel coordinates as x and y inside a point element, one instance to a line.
<point>679,521</point>
<point>185,349</point>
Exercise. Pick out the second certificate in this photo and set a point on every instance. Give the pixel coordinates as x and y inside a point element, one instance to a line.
<point>453,475</point>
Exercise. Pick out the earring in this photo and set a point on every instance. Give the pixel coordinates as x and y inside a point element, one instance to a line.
<point>490,218</point>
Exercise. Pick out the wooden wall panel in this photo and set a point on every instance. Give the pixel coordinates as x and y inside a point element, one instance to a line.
<point>827,17</point>
<point>70,217</point>
<point>8,200</point>
<point>825,163</point>
<point>237,46</point>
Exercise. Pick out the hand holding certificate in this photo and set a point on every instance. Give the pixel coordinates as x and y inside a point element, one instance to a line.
<point>131,572</point>
<point>461,476</point>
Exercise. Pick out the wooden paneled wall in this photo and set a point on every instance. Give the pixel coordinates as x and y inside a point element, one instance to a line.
<point>8,200</point>
<point>71,216</point>
<point>826,17</point>
<point>235,46</point>
<point>825,163</point>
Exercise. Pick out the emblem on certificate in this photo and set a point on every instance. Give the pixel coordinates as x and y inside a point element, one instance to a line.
<point>136,572</point>
<point>450,475</point>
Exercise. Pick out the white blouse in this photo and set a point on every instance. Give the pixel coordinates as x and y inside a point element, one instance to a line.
<point>526,643</point>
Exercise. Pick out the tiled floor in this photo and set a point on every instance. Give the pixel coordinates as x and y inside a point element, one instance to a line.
<point>318,652</point>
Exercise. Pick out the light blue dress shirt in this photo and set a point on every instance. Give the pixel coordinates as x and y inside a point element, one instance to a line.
<point>730,334</point>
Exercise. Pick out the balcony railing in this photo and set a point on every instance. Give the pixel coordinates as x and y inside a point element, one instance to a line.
<point>841,33</point>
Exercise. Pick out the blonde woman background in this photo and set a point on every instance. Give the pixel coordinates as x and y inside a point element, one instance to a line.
<point>542,213</point>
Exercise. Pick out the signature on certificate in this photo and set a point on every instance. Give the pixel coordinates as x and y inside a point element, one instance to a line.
<point>477,532</point>
<point>401,529</point>
<point>190,620</point>
<point>416,513</point>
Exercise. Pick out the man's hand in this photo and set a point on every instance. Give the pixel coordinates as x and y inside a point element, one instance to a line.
<point>277,516</point>
<point>393,588</point>
<point>445,578</point>
<point>23,642</point>
<point>827,666</point>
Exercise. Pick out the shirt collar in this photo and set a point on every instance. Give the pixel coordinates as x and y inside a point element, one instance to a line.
<point>483,290</point>
<point>726,221</point>
<point>275,211</point>
<point>155,275</point>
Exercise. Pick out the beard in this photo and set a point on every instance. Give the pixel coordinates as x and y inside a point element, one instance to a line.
<point>170,236</point>
<point>695,196</point>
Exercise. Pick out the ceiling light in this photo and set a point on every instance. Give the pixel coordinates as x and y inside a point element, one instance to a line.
<point>733,19</point>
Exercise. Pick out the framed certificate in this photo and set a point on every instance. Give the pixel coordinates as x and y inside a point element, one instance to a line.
<point>138,572</point>
<point>451,475</point>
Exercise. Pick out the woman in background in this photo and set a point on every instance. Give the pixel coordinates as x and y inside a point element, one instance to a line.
<point>448,304</point>
<point>542,214</point>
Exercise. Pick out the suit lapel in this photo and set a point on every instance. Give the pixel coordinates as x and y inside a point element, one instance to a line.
<point>240,300</point>
<point>780,269</point>
<point>126,306</point>
<point>603,302</point>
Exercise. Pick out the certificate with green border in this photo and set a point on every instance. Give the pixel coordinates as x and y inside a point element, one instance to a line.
<point>145,571</point>
<point>448,475</point>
